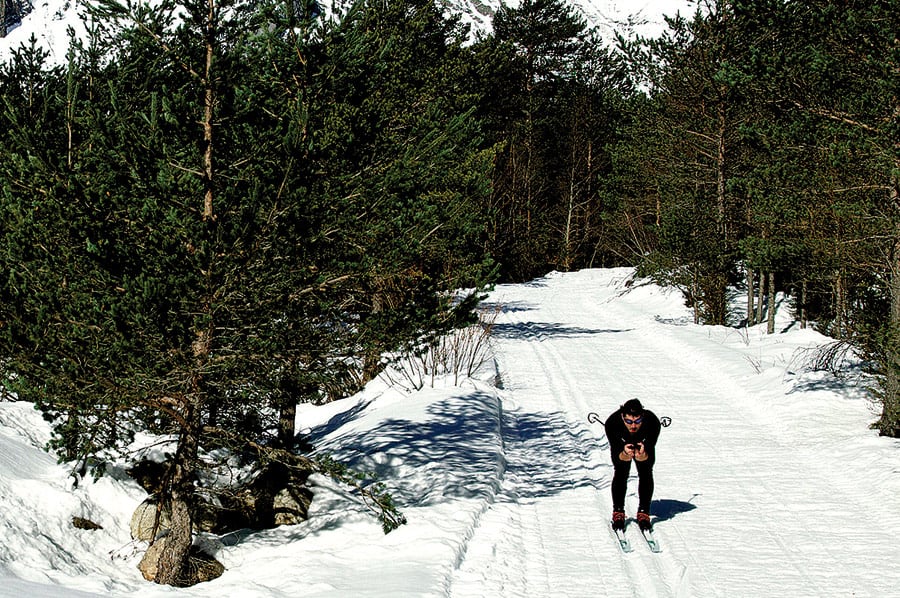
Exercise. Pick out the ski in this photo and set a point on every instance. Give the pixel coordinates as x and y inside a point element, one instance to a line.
<point>651,541</point>
<point>624,544</point>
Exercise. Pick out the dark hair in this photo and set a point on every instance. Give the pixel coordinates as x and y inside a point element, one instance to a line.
<point>633,407</point>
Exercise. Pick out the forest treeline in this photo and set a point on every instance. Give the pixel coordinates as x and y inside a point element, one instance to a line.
<point>219,209</point>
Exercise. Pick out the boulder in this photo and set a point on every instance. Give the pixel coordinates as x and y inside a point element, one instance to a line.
<point>276,495</point>
<point>291,505</point>
<point>143,522</point>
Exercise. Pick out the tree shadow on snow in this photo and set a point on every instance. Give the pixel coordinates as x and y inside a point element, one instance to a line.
<point>510,307</point>
<point>540,330</point>
<point>335,422</point>
<point>853,390</point>
<point>468,446</point>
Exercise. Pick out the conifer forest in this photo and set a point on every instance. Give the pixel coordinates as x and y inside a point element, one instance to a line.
<point>218,209</point>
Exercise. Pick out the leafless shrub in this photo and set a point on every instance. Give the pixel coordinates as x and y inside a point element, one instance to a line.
<point>833,357</point>
<point>755,363</point>
<point>459,354</point>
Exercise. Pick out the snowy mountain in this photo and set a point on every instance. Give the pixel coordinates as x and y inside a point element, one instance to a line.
<point>643,17</point>
<point>761,480</point>
<point>51,20</point>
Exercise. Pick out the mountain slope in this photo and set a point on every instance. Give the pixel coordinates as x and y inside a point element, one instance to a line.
<point>50,20</point>
<point>643,17</point>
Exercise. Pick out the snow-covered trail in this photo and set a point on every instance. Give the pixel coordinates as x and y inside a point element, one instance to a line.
<point>769,482</point>
<point>745,503</point>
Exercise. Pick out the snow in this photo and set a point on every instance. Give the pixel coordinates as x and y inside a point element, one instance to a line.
<point>50,20</point>
<point>645,18</point>
<point>767,481</point>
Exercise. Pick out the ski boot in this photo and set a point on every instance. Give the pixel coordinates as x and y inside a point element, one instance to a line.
<point>618,521</point>
<point>643,521</point>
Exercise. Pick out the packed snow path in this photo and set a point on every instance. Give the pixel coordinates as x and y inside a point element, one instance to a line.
<point>769,482</point>
<point>747,502</point>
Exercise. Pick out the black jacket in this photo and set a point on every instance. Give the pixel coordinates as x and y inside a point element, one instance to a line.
<point>618,434</point>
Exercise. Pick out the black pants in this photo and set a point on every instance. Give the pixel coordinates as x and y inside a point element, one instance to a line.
<point>620,482</point>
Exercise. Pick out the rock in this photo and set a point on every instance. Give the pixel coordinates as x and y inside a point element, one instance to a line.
<point>149,474</point>
<point>150,561</point>
<point>143,522</point>
<point>291,505</point>
<point>276,495</point>
<point>82,523</point>
<point>202,567</point>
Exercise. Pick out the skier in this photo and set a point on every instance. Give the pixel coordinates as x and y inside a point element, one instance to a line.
<point>632,432</point>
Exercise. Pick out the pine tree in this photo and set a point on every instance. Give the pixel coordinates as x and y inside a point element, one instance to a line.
<point>704,100</point>
<point>226,219</point>
<point>555,99</point>
<point>844,63</point>
<point>396,128</point>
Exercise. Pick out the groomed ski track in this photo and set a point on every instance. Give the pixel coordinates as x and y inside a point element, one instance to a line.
<point>740,486</point>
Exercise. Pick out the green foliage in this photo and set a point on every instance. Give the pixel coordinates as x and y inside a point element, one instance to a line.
<point>374,494</point>
<point>233,216</point>
<point>396,129</point>
<point>768,143</point>
<point>553,104</point>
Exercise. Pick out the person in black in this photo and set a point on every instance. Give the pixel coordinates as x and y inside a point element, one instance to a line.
<point>632,432</point>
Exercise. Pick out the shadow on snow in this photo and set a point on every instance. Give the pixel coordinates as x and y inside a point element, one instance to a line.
<point>535,330</point>
<point>666,508</point>
<point>467,447</point>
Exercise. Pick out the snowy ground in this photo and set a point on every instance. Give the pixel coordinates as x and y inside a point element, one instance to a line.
<point>768,481</point>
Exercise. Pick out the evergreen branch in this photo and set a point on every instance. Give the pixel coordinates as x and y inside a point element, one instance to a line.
<point>186,169</point>
<point>166,48</point>
<point>320,287</point>
<point>374,496</point>
<point>836,116</point>
<point>166,405</point>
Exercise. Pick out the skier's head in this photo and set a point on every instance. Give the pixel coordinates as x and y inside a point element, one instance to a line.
<point>632,414</point>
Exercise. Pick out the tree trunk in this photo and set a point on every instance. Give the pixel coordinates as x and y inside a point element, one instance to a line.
<point>838,305</point>
<point>750,290</point>
<point>209,101</point>
<point>759,301</point>
<point>804,314</point>
<point>286,424</point>
<point>720,174</point>
<point>176,550</point>
<point>889,423</point>
<point>180,499</point>
<point>695,301</point>
<point>570,215</point>
<point>770,325</point>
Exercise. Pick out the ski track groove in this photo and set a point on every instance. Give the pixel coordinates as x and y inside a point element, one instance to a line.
<point>558,387</point>
<point>560,368</point>
<point>795,539</point>
<point>554,503</point>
